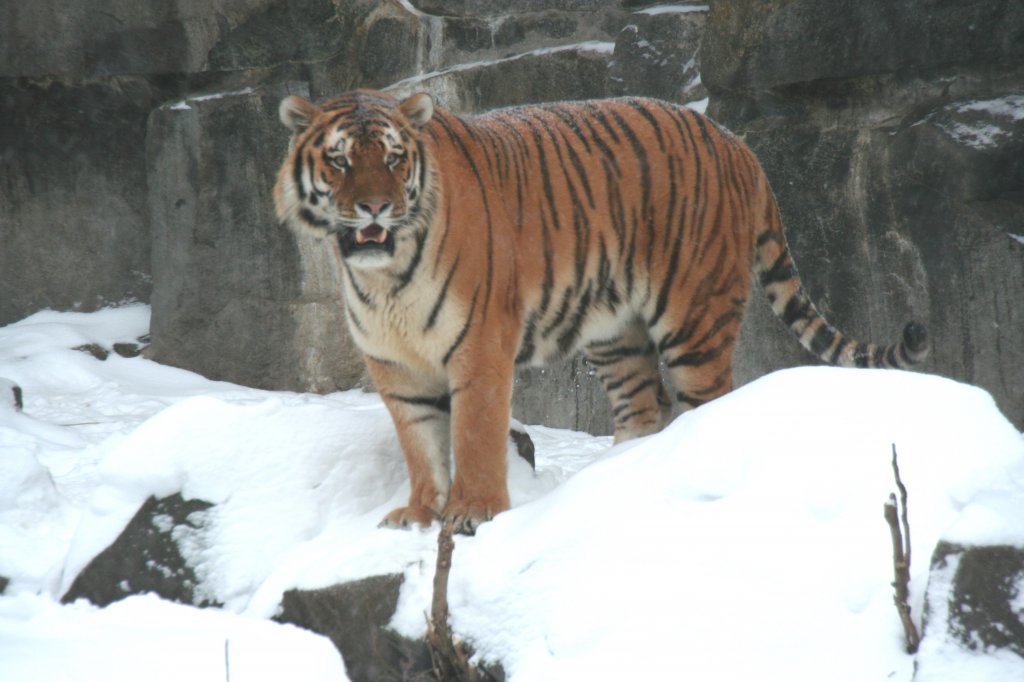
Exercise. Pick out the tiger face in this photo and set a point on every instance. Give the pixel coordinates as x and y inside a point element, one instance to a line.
<point>357,177</point>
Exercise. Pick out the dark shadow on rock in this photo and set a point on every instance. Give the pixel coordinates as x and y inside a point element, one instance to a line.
<point>146,557</point>
<point>354,616</point>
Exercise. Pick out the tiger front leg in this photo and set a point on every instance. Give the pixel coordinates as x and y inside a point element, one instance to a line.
<point>481,405</point>
<point>421,413</point>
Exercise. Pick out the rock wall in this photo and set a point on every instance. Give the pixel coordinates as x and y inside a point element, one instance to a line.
<point>139,143</point>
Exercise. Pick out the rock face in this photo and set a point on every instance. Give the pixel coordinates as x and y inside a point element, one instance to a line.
<point>141,141</point>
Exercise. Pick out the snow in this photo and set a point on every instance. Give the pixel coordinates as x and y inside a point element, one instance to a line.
<point>989,123</point>
<point>746,541</point>
<point>592,46</point>
<point>182,105</point>
<point>673,9</point>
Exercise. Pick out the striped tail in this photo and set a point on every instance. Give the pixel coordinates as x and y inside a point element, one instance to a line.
<point>781,282</point>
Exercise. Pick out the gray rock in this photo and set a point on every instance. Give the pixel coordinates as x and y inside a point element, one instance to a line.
<point>752,44</point>
<point>971,604</point>
<point>354,616</point>
<point>236,296</point>
<point>12,396</point>
<point>657,54</point>
<point>89,39</point>
<point>74,227</point>
<point>145,557</point>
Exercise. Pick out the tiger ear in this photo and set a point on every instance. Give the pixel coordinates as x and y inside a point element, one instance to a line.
<point>418,109</point>
<point>296,113</point>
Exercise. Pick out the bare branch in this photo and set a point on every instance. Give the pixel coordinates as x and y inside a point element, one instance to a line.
<point>451,658</point>
<point>901,558</point>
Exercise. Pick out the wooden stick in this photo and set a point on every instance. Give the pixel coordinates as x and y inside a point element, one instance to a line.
<point>450,658</point>
<point>901,558</point>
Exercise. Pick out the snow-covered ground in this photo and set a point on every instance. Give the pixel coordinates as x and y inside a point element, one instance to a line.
<point>746,541</point>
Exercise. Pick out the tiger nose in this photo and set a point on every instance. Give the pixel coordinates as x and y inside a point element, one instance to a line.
<point>374,207</point>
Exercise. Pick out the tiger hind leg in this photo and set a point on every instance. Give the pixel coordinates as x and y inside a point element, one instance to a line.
<point>697,353</point>
<point>627,366</point>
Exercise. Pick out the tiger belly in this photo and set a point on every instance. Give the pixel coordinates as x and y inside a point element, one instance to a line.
<point>545,341</point>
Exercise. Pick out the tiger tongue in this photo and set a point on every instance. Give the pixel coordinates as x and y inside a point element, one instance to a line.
<point>373,233</point>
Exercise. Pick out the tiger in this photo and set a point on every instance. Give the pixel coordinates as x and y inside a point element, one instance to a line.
<point>628,229</point>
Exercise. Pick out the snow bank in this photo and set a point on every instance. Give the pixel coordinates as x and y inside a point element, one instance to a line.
<point>744,541</point>
<point>144,638</point>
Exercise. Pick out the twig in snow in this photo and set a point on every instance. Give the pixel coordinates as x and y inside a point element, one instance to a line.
<point>901,557</point>
<point>450,657</point>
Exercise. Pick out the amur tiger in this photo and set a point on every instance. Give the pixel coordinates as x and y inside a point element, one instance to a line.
<point>625,228</point>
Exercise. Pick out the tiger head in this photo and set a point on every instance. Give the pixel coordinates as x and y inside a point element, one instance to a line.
<point>355,170</point>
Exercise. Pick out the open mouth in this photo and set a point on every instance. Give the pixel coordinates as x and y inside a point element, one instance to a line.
<point>371,238</point>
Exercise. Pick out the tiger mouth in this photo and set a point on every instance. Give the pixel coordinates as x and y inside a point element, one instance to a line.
<point>373,237</point>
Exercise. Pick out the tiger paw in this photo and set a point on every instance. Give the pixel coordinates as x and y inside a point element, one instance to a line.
<point>467,515</point>
<point>407,517</point>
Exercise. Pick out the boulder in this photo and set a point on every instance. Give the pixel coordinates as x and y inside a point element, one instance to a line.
<point>657,54</point>
<point>146,557</point>
<point>972,604</point>
<point>354,616</point>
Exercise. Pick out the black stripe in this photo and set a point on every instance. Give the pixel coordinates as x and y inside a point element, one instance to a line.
<point>619,382</point>
<point>690,399</point>
<point>823,340</point>
<point>363,297</point>
<point>599,142</point>
<point>560,313</point>
<point>615,355</point>
<point>308,216</point>
<point>568,338</point>
<point>629,415</point>
<point>542,167</point>
<point>465,329</point>
<point>769,236</point>
<point>640,107</point>
<point>700,357</point>
<point>782,270</point>
<point>442,403</point>
<point>527,347</point>
<point>441,296</point>
<point>297,171</point>
<point>798,307</point>
<point>633,392</point>
<point>406,276</point>
<point>445,124</point>
<point>571,121</point>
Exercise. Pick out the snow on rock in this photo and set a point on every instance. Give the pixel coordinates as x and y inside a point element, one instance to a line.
<point>982,124</point>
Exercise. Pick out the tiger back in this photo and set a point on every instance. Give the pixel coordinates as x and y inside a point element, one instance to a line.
<point>626,228</point>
